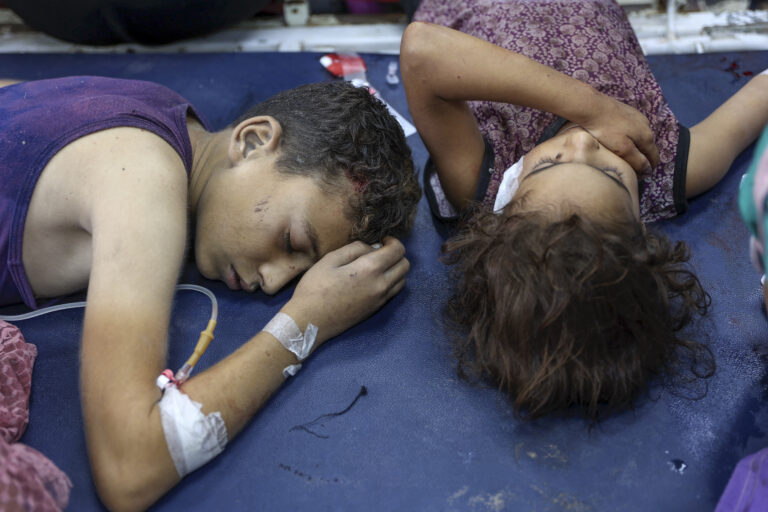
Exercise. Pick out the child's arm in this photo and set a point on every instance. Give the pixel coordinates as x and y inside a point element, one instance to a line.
<point>442,68</point>
<point>138,222</point>
<point>726,132</point>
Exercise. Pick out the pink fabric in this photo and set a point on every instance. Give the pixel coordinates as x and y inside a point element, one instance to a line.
<point>590,40</point>
<point>28,480</point>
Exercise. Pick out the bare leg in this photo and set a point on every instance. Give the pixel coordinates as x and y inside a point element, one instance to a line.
<point>718,139</point>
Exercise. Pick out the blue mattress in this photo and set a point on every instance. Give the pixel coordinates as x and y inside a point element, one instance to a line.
<point>421,439</point>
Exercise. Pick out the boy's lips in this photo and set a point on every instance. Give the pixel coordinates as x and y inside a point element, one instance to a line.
<point>235,282</point>
<point>233,279</point>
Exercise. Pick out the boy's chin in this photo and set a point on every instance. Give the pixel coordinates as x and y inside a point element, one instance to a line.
<point>207,271</point>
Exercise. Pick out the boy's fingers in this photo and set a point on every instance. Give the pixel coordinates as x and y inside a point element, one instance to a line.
<point>394,290</point>
<point>391,252</point>
<point>348,253</point>
<point>398,271</point>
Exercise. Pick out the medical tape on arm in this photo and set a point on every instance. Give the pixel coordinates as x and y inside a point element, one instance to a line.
<point>285,330</point>
<point>193,438</point>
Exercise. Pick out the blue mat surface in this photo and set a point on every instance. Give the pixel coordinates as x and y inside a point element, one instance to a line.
<point>421,439</point>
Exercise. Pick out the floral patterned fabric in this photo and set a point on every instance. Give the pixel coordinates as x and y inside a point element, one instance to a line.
<point>28,480</point>
<point>590,40</point>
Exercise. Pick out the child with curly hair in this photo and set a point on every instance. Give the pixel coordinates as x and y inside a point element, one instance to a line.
<point>551,140</point>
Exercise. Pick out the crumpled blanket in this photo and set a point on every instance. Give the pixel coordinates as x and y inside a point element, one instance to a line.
<point>28,479</point>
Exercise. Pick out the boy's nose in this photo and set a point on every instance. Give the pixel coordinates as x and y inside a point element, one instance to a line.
<point>277,275</point>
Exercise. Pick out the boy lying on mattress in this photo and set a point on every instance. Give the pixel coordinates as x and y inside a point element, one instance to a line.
<point>549,135</point>
<point>99,180</point>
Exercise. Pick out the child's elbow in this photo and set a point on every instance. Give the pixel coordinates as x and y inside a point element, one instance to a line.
<point>414,45</point>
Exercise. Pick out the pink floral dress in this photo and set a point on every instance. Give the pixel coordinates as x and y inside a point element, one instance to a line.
<point>590,40</point>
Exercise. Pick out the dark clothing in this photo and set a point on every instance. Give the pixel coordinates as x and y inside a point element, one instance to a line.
<point>132,21</point>
<point>37,119</point>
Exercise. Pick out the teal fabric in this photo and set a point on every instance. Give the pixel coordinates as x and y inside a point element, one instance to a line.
<point>749,210</point>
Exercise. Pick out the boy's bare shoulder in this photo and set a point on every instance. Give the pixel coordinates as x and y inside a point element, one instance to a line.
<point>118,194</point>
<point>125,161</point>
<point>136,180</point>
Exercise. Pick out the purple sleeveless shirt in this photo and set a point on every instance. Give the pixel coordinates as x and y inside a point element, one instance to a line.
<point>590,40</point>
<point>37,119</point>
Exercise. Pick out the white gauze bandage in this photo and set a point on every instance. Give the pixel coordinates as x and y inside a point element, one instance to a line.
<point>285,330</point>
<point>193,438</point>
<point>508,186</point>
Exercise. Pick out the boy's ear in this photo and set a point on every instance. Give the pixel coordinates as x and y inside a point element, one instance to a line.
<point>254,137</point>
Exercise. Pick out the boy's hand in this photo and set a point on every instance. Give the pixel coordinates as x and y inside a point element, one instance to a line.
<point>625,131</point>
<point>347,285</point>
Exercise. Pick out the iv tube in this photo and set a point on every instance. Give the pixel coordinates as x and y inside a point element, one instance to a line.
<point>202,343</point>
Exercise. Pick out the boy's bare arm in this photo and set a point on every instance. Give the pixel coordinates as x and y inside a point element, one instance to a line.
<point>726,132</point>
<point>138,229</point>
<point>443,68</point>
<point>137,220</point>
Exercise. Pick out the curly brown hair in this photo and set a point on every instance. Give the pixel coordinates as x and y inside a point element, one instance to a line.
<point>572,315</point>
<point>334,131</point>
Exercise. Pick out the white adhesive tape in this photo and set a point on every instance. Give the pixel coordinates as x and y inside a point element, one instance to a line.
<point>285,330</point>
<point>508,186</point>
<point>193,438</point>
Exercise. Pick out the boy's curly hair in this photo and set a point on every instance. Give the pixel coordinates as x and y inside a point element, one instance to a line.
<point>571,315</point>
<point>334,131</point>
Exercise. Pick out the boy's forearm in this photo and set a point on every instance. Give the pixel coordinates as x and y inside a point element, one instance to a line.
<point>132,465</point>
<point>239,385</point>
<point>123,355</point>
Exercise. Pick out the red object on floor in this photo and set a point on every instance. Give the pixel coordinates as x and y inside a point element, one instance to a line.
<point>343,65</point>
